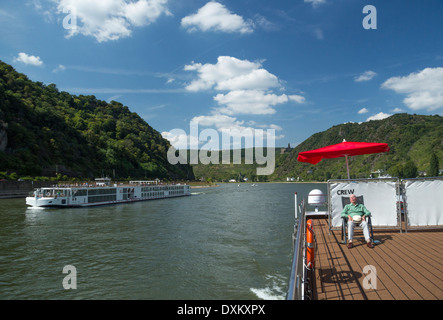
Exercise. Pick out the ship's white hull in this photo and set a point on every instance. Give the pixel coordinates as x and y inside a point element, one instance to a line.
<point>97,196</point>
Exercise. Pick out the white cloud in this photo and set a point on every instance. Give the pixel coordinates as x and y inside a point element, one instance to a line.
<point>246,89</point>
<point>179,139</point>
<point>217,120</point>
<point>59,68</point>
<point>263,23</point>
<point>223,123</point>
<point>252,101</point>
<point>247,83</point>
<point>315,3</point>
<point>214,16</point>
<point>6,14</point>
<point>275,127</point>
<point>233,127</point>
<point>363,110</point>
<point>230,73</point>
<point>256,79</point>
<point>424,89</point>
<point>318,33</point>
<point>365,76</point>
<point>144,12</point>
<point>28,59</point>
<point>379,116</point>
<point>47,14</point>
<point>107,20</point>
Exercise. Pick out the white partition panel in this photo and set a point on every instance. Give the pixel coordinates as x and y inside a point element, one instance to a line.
<point>424,202</point>
<point>379,197</point>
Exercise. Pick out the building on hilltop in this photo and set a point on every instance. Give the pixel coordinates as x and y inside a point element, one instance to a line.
<point>284,150</point>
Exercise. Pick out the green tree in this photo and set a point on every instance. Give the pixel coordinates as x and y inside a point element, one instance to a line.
<point>434,166</point>
<point>410,170</point>
<point>397,171</point>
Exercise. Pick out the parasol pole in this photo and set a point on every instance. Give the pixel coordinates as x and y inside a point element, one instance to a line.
<point>347,166</point>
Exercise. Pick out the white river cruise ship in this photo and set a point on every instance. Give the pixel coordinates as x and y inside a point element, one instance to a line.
<point>102,194</point>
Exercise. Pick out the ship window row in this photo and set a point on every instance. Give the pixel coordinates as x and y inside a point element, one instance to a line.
<point>176,192</point>
<point>160,193</point>
<point>145,189</point>
<point>152,194</point>
<point>93,199</point>
<point>93,192</point>
<point>53,193</point>
<point>111,191</point>
<point>80,193</point>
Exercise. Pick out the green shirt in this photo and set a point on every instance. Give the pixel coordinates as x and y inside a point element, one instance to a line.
<point>352,210</point>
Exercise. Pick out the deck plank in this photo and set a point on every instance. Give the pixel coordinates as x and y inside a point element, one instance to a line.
<point>408,265</point>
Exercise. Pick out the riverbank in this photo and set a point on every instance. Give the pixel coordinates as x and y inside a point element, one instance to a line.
<point>205,185</point>
<point>195,185</point>
<point>20,189</point>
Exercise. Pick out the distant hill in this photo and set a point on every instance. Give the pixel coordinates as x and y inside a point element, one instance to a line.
<point>225,172</point>
<point>413,139</point>
<point>43,130</point>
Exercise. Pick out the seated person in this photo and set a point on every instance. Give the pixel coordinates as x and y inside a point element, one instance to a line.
<point>356,209</point>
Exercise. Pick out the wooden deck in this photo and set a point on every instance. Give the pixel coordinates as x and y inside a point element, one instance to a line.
<point>409,266</point>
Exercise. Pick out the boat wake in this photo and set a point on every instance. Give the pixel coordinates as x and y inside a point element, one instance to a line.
<point>273,292</point>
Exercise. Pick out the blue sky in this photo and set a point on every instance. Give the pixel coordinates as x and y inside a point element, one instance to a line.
<point>295,66</point>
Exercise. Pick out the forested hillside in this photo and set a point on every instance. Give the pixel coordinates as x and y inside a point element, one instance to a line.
<point>413,140</point>
<point>43,130</point>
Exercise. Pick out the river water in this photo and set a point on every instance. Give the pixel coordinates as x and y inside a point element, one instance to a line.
<point>231,242</point>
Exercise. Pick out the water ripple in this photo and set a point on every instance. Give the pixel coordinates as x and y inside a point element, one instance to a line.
<point>227,242</point>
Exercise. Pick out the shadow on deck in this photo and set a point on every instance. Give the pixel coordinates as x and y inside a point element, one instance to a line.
<point>408,266</point>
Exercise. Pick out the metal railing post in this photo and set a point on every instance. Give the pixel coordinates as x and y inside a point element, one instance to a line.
<point>296,281</point>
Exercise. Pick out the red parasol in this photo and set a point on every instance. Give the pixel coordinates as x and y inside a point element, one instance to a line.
<point>343,149</point>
